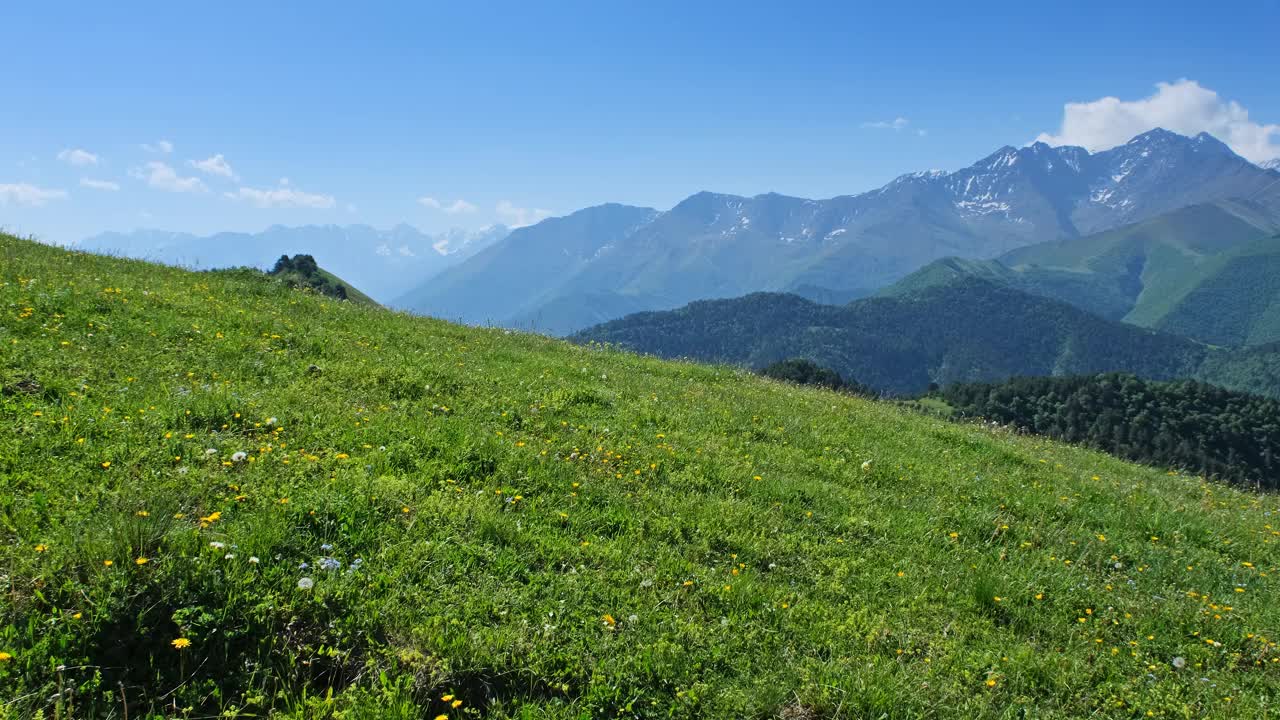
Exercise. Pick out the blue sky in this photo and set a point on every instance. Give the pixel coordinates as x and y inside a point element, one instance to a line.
<point>338,113</point>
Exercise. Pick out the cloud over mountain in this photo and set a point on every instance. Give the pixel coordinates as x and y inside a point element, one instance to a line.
<point>1184,107</point>
<point>282,197</point>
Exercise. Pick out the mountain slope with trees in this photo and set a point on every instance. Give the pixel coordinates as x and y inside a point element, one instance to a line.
<point>1185,424</point>
<point>966,330</point>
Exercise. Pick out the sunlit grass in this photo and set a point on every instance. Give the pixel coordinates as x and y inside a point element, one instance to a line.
<point>426,514</point>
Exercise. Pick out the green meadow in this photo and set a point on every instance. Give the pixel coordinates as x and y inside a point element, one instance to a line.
<point>220,497</point>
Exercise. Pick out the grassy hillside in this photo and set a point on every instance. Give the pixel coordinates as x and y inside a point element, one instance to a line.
<point>225,498</point>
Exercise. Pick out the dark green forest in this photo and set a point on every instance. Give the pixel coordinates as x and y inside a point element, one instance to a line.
<point>1183,424</point>
<point>967,330</point>
<point>800,371</point>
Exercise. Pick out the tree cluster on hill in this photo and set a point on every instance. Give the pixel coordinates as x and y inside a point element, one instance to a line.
<point>1185,424</point>
<point>302,271</point>
<point>800,371</point>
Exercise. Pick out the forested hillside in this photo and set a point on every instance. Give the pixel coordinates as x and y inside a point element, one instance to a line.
<point>966,330</point>
<point>1184,425</point>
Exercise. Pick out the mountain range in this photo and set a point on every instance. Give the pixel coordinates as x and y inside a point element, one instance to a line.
<point>384,263</point>
<point>603,262</point>
<point>1159,214</point>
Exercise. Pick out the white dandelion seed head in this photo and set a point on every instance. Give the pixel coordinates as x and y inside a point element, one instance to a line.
<point>866,466</point>
<point>229,556</point>
<point>253,559</point>
<point>306,583</point>
<point>1179,662</point>
<point>633,618</point>
<point>211,451</point>
<point>216,545</point>
<point>238,457</point>
<point>271,421</point>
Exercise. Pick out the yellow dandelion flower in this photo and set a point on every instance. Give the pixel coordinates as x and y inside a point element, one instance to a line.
<point>141,561</point>
<point>455,704</point>
<point>41,547</point>
<point>5,657</point>
<point>181,643</point>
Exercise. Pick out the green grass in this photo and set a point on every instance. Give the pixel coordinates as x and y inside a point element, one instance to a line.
<point>547,530</point>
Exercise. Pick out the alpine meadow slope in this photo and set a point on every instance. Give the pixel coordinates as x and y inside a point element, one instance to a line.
<point>713,245</point>
<point>227,498</point>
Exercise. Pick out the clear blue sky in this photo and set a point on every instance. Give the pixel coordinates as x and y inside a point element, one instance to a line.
<point>554,106</point>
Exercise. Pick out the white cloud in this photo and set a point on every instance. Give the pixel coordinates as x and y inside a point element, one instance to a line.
<point>282,197</point>
<point>27,194</point>
<point>162,177</point>
<point>897,123</point>
<point>453,208</point>
<point>78,157</point>
<point>520,217</point>
<point>216,165</point>
<point>163,147</point>
<point>1184,107</point>
<point>99,184</point>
